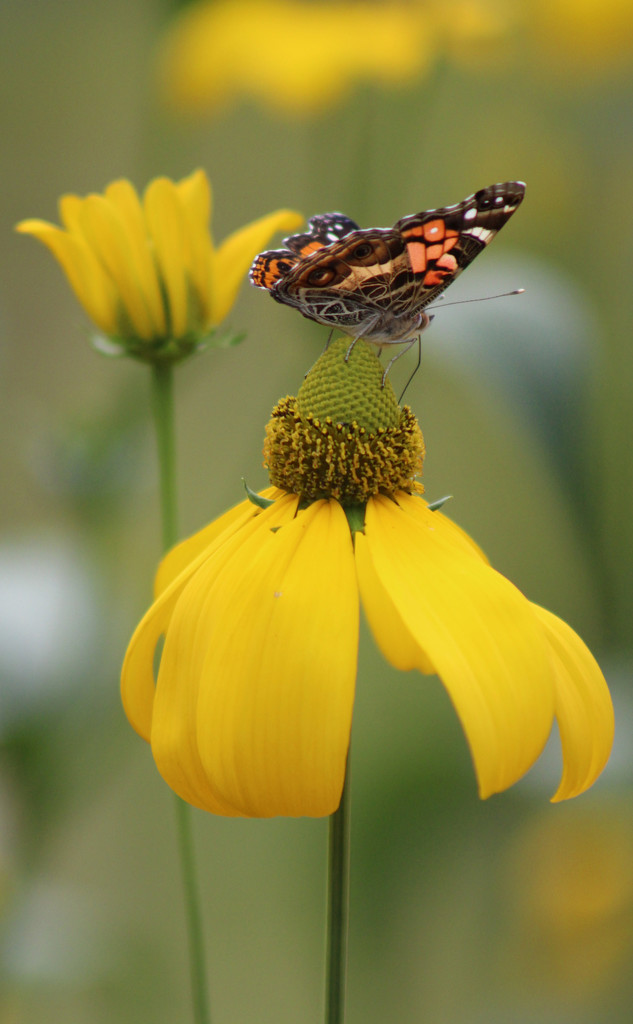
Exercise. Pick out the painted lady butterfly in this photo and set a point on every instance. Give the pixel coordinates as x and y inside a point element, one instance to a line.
<point>375,283</point>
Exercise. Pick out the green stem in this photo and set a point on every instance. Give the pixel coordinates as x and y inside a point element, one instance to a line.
<point>199,990</point>
<point>338,909</point>
<point>163,411</point>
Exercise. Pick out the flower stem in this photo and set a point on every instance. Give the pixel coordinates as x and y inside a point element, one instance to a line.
<point>199,990</point>
<point>163,412</point>
<point>338,909</point>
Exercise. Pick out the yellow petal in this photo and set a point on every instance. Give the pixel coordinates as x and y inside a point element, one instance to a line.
<point>261,657</point>
<point>70,213</point>
<point>137,675</point>
<point>85,274</point>
<point>442,525</point>
<point>479,632</point>
<point>397,643</point>
<point>166,223</point>
<point>583,708</point>
<point>235,255</point>
<point>195,196</point>
<point>174,726</point>
<point>105,233</point>
<point>125,200</point>
<point>180,556</point>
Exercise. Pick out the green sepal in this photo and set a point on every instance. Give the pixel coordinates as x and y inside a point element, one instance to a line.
<point>255,498</point>
<point>164,350</point>
<point>435,506</point>
<point>154,352</point>
<point>221,339</point>
<point>355,515</point>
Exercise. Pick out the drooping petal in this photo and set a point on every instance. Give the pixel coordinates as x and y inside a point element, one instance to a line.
<point>476,629</point>
<point>174,727</point>
<point>180,556</point>
<point>583,707</point>
<point>174,735</point>
<point>398,645</point>
<point>86,276</point>
<point>260,659</point>
<point>137,675</point>
<point>138,687</point>
<point>442,525</point>
<point>236,253</point>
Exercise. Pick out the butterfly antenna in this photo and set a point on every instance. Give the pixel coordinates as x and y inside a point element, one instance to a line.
<point>481,298</point>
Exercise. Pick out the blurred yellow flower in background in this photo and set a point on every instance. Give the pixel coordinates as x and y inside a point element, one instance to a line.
<point>583,35</point>
<point>147,272</point>
<point>570,882</point>
<point>300,58</point>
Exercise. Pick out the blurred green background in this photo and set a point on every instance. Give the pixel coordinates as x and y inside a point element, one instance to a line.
<point>509,910</point>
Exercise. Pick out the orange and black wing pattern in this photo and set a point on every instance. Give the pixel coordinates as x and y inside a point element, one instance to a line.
<point>375,283</point>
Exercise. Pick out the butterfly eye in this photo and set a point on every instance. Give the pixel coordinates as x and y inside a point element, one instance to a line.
<point>362,251</point>
<point>320,275</point>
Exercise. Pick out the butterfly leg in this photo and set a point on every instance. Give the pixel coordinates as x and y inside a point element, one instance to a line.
<point>349,351</point>
<point>407,345</point>
<point>367,329</point>
<point>415,369</point>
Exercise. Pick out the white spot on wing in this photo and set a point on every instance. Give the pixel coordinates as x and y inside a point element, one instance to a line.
<point>483,233</point>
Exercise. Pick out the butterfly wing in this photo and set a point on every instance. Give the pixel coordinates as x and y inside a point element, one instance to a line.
<point>349,283</point>
<point>375,283</point>
<point>323,230</point>
<point>441,243</point>
<point>272,266</point>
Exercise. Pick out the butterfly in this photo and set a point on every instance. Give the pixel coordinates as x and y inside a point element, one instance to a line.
<point>375,283</point>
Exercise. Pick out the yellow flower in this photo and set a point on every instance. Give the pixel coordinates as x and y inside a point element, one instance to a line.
<point>291,55</point>
<point>585,36</point>
<point>570,889</point>
<point>300,58</point>
<point>252,708</point>
<point>147,273</point>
